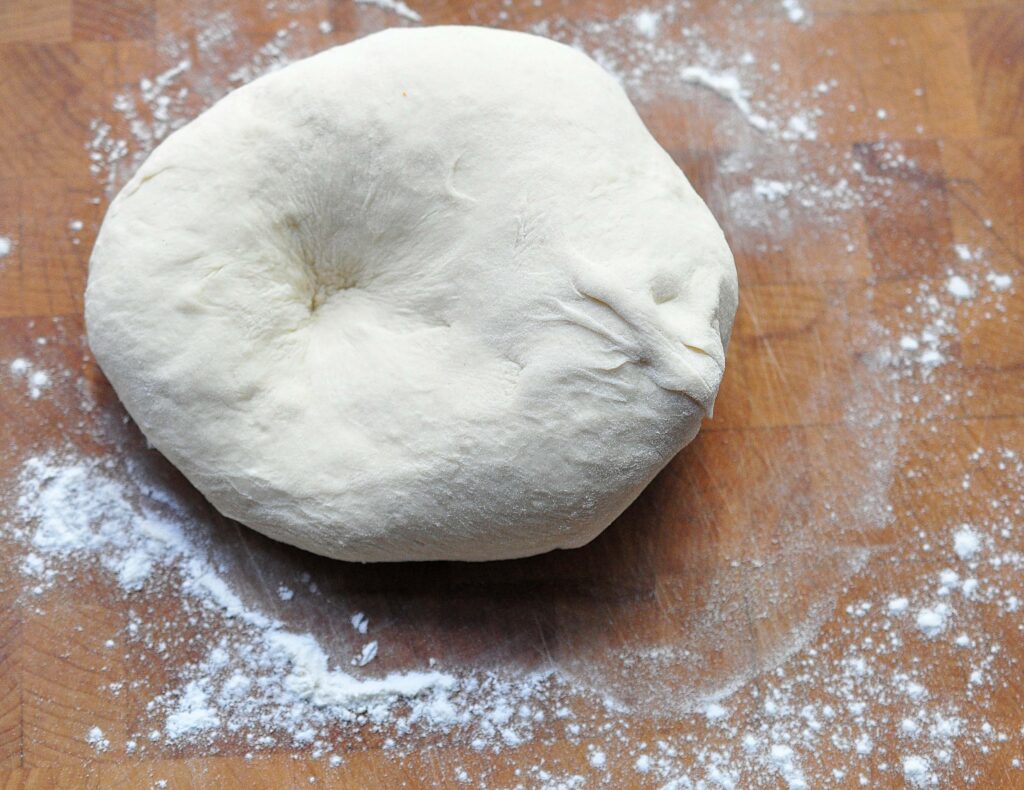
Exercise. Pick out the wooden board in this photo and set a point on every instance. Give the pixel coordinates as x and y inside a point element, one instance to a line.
<point>835,474</point>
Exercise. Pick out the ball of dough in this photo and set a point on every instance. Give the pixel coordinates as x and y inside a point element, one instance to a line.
<point>434,294</point>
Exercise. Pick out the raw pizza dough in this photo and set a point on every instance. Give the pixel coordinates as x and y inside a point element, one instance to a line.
<point>434,294</point>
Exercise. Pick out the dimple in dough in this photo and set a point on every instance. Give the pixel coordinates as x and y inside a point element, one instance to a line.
<point>434,294</point>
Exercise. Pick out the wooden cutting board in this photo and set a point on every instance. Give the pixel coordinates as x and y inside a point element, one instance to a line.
<point>840,464</point>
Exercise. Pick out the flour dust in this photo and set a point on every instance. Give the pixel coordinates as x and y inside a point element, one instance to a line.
<point>284,662</point>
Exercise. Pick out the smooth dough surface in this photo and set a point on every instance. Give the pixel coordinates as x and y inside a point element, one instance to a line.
<point>434,294</point>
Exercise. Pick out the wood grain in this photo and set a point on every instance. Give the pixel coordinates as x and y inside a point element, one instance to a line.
<point>35,20</point>
<point>779,460</point>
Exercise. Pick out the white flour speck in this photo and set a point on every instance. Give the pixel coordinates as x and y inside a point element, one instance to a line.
<point>396,7</point>
<point>931,621</point>
<point>727,85</point>
<point>96,738</point>
<point>959,287</point>
<point>794,11</point>
<point>78,510</point>
<point>366,655</point>
<point>999,282</point>
<point>36,380</point>
<point>646,22</point>
<point>916,770</point>
<point>784,759</point>
<point>771,190</point>
<point>192,713</point>
<point>966,543</point>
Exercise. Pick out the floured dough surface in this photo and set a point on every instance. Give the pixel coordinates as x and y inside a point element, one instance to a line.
<point>434,294</point>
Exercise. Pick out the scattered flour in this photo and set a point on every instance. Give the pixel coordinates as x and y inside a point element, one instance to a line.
<point>80,510</point>
<point>366,655</point>
<point>917,771</point>
<point>278,685</point>
<point>783,758</point>
<point>36,380</point>
<point>97,739</point>
<point>728,86</point>
<point>959,287</point>
<point>394,6</point>
<point>898,605</point>
<point>931,621</point>
<point>5,246</point>
<point>966,543</point>
<point>1000,282</point>
<point>771,190</point>
<point>845,692</point>
<point>192,714</point>
<point>278,688</point>
<point>647,22</point>
<point>963,252</point>
<point>794,11</point>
